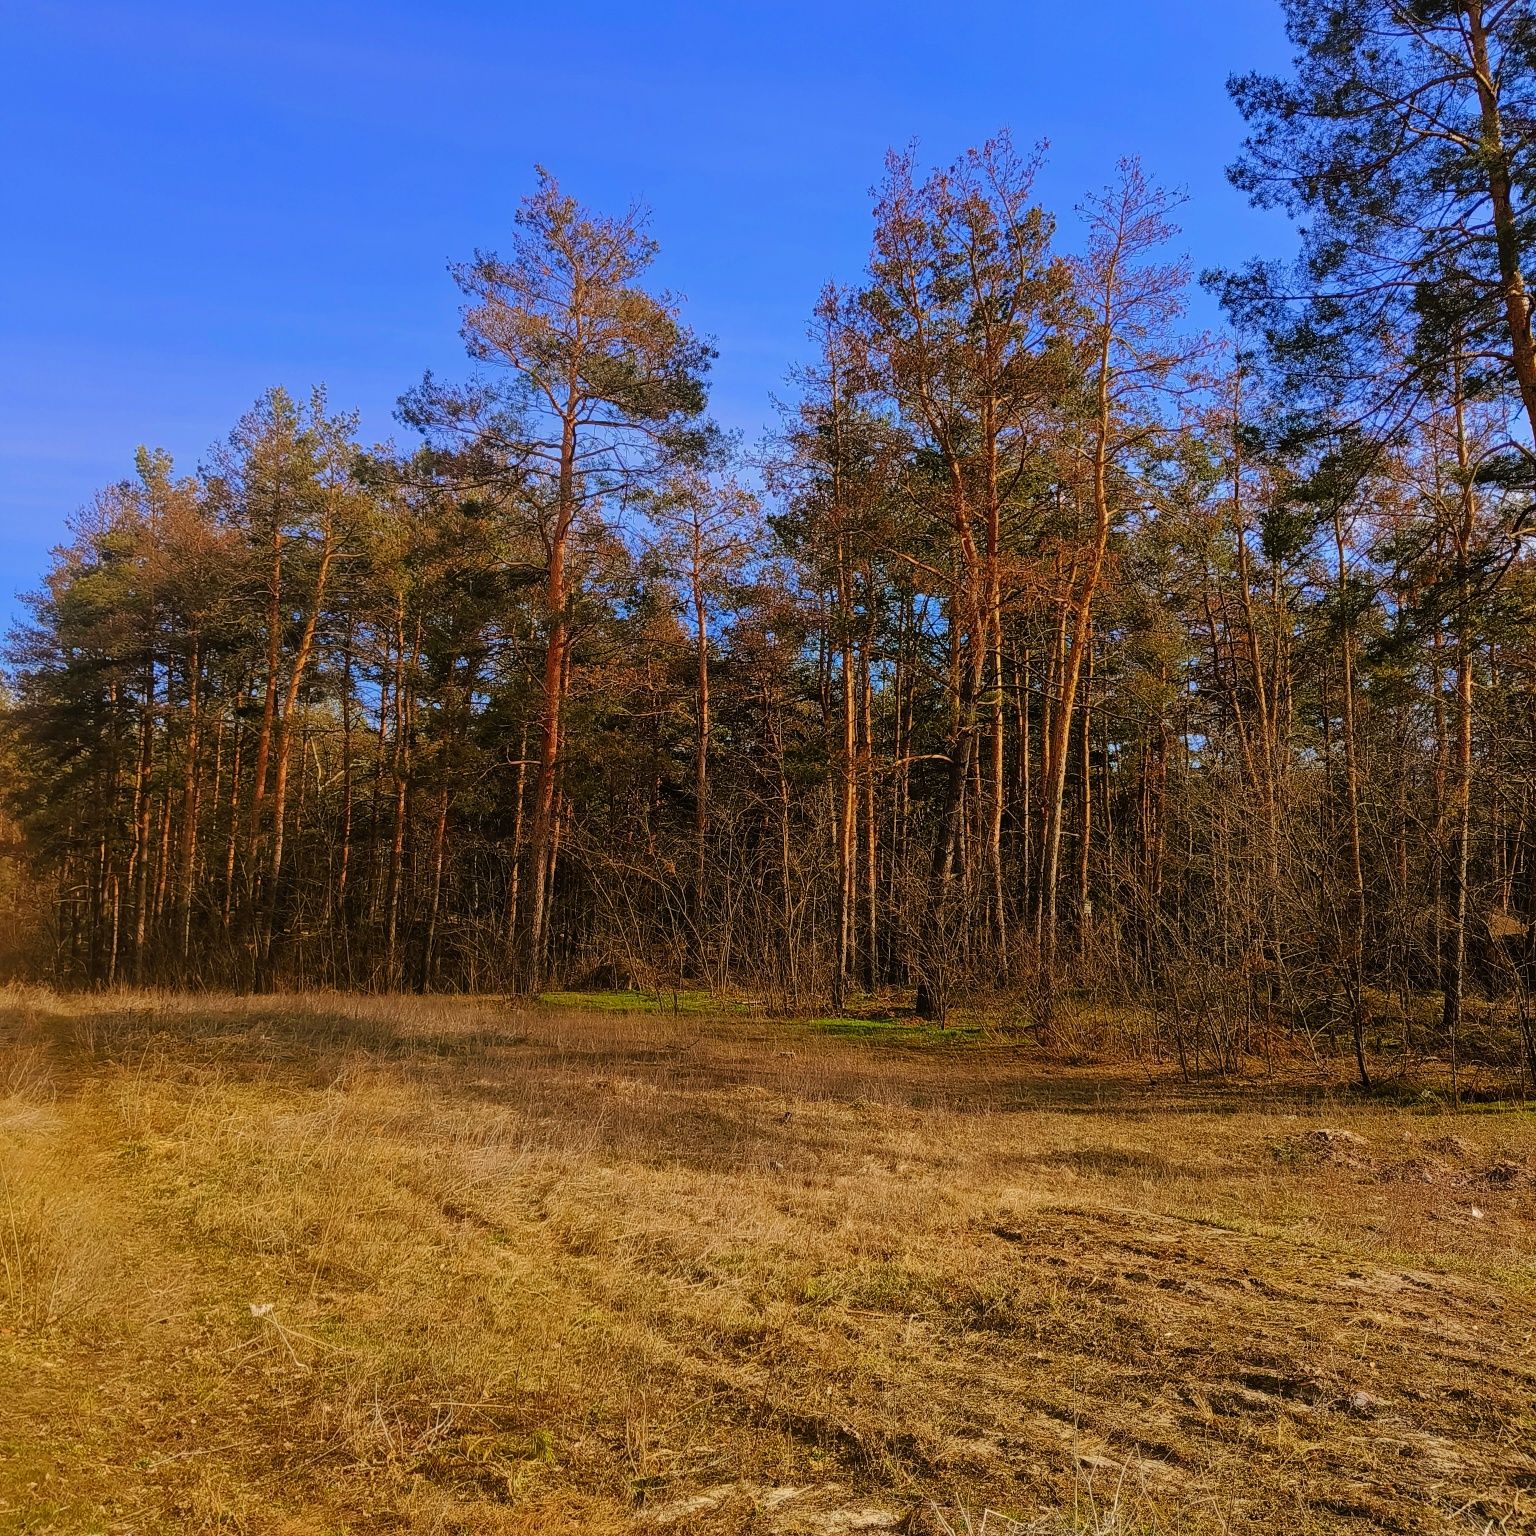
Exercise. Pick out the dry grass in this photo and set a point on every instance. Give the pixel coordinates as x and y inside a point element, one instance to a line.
<point>339,1265</point>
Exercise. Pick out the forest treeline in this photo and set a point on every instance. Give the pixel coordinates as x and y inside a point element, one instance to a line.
<point>1045,641</point>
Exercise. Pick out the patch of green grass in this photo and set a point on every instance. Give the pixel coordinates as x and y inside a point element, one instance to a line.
<point>891,1031</point>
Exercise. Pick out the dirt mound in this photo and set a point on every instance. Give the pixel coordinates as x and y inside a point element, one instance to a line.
<point>1345,1149</point>
<point>1504,1174</point>
<point>1418,1170</point>
<point>1332,1145</point>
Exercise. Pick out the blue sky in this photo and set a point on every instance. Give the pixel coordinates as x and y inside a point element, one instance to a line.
<point>206,199</point>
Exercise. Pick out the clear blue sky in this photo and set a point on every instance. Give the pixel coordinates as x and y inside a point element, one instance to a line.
<point>202,200</point>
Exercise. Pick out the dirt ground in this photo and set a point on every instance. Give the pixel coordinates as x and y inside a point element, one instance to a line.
<point>344,1265</point>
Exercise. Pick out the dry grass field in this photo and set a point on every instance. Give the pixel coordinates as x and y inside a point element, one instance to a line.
<point>326,1264</point>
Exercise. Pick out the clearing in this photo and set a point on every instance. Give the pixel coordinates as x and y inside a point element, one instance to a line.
<point>330,1264</point>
